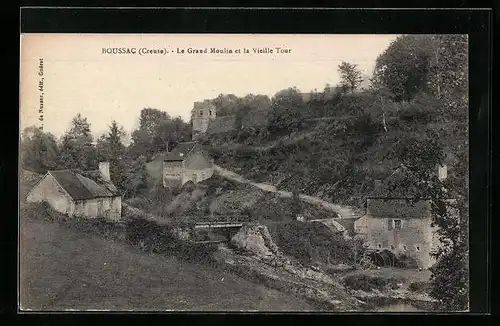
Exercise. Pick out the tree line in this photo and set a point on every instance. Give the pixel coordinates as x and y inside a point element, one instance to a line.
<point>41,151</point>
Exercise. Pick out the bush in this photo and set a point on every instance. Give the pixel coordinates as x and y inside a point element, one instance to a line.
<point>149,236</point>
<point>369,283</point>
<point>310,242</point>
<point>419,286</point>
<point>404,261</point>
<point>99,226</point>
<point>40,211</point>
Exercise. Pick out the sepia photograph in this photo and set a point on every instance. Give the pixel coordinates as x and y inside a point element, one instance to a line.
<point>244,173</point>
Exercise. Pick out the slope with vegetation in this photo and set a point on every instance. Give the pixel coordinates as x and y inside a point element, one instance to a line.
<point>414,113</point>
<point>220,199</point>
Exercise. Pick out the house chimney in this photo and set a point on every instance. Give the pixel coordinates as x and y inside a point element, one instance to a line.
<point>378,187</point>
<point>442,172</point>
<point>104,169</point>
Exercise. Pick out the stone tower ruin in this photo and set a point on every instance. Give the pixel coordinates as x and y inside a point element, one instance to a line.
<point>201,115</point>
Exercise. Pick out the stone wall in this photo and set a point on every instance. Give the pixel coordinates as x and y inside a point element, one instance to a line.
<point>412,237</point>
<point>109,207</point>
<point>172,173</point>
<point>201,116</point>
<point>197,167</point>
<point>49,190</point>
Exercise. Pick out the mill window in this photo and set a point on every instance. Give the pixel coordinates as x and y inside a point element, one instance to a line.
<point>397,224</point>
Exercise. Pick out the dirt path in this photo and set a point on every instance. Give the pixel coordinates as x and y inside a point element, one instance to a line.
<point>341,210</point>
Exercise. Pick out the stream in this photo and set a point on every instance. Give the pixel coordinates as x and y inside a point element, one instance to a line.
<point>398,307</point>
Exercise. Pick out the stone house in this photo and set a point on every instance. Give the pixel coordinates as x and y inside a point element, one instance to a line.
<point>82,193</point>
<point>186,162</point>
<point>397,221</point>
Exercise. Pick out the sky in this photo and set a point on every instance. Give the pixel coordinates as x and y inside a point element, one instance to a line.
<point>79,78</point>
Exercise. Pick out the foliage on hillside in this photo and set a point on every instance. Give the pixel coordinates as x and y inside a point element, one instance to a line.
<point>312,243</point>
<point>219,199</point>
<point>334,147</point>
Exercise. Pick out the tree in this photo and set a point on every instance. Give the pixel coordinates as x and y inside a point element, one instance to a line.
<point>77,149</point>
<point>110,148</point>
<point>350,76</point>
<point>38,150</point>
<point>145,139</point>
<point>158,132</point>
<point>225,104</point>
<point>449,280</point>
<point>288,111</point>
<point>448,73</point>
<point>403,67</point>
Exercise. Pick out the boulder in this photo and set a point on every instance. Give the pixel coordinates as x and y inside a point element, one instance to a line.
<point>256,240</point>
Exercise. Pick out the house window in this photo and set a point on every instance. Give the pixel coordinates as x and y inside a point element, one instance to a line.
<point>389,225</point>
<point>397,224</point>
<point>417,247</point>
<point>210,112</point>
<point>404,248</point>
<point>201,112</point>
<point>379,246</point>
<point>392,247</point>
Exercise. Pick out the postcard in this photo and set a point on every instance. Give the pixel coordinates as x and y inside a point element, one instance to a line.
<point>243,172</point>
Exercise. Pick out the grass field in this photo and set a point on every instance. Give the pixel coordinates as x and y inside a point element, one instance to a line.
<point>61,269</point>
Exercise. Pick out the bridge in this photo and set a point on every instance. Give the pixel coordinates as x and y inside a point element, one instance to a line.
<point>218,225</point>
<point>208,233</point>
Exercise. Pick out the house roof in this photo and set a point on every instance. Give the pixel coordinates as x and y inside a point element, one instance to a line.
<point>180,152</point>
<point>84,184</point>
<point>402,183</point>
<point>398,208</point>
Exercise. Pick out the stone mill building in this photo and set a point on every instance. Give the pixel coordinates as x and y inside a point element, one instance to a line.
<point>398,221</point>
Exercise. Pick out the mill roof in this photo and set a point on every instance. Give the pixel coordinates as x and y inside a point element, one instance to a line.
<point>402,183</point>
<point>84,184</point>
<point>180,152</point>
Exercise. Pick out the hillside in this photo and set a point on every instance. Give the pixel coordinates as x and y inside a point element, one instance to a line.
<point>220,199</point>
<point>336,154</point>
<point>64,269</point>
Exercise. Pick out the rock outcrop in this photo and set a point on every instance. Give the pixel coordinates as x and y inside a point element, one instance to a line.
<point>264,262</point>
<point>256,240</point>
